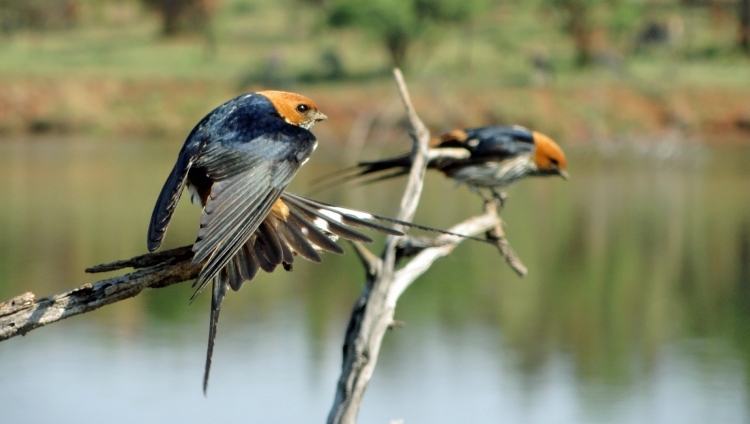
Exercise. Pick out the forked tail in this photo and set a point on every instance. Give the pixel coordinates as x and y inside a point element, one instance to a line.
<point>376,171</point>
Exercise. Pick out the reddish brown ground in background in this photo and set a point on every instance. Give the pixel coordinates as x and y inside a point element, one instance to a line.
<point>571,115</point>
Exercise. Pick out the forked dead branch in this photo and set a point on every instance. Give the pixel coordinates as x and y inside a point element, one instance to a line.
<point>372,314</point>
<point>374,310</point>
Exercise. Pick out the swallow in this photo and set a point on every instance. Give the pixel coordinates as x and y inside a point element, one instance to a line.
<point>236,164</point>
<point>492,158</point>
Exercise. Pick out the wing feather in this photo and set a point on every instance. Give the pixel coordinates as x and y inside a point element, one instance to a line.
<point>347,216</point>
<point>270,242</point>
<point>298,242</point>
<point>236,208</point>
<point>249,264</point>
<point>332,225</point>
<point>170,195</point>
<point>312,232</point>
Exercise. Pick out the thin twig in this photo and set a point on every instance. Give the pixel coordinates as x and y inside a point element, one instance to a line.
<point>421,137</point>
<point>503,245</point>
<point>371,262</point>
<point>145,261</point>
<point>405,276</point>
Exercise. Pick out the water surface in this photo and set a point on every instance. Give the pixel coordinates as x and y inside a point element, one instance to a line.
<point>636,307</point>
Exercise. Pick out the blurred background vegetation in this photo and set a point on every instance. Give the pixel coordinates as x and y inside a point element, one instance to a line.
<point>585,71</point>
<point>642,259</point>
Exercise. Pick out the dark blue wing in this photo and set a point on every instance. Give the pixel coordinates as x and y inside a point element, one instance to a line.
<point>238,125</point>
<point>249,176</point>
<point>498,142</point>
<point>172,190</point>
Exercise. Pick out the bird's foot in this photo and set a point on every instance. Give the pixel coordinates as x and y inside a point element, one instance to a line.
<point>487,198</point>
<point>500,196</point>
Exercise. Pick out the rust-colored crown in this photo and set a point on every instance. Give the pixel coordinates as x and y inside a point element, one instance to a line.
<point>548,154</point>
<point>287,104</point>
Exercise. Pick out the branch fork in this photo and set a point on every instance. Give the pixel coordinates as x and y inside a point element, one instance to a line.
<point>374,310</point>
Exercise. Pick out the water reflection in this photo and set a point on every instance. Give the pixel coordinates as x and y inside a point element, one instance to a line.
<point>635,308</point>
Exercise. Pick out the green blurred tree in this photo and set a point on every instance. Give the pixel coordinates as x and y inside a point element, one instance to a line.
<point>584,18</point>
<point>743,10</point>
<point>398,23</point>
<point>39,15</point>
<point>183,15</point>
<point>579,25</point>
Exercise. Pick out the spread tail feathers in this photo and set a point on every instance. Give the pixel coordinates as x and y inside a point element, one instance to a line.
<point>354,217</point>
<point>309,226</point>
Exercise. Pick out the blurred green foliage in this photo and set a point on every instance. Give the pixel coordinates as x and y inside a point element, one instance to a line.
<point>16,15</point>
<point>470,63</point>
<point>413,31</point>
<point>578,24</point>
<point>397,23</point>
<point>182,15</point>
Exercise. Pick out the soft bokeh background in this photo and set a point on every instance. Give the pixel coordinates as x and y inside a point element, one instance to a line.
<point>637,304</point>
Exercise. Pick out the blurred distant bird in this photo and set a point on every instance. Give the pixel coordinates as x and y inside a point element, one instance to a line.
<point>236,163</point>
<point>483,158</point>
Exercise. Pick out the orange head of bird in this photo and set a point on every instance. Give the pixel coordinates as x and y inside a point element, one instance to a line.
<point>549,157</point>
<point>296,109</point>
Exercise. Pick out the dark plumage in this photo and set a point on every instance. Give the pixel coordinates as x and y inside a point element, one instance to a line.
<point>484,157</point>
<point>236,163</point>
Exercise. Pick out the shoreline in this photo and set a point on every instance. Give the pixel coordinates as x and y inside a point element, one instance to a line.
<point>577,115</point>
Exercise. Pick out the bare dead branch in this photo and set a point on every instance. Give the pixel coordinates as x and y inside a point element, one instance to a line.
<point>503,245</point>
<point>373,312</point>
<point>371,262</point>
<point>405,276</point>
<point>447,153</point>
<point>146,261</point>
<point>410,246</point>
<point>370,318</point>
<point>24,313</point>
<point>421,138</point>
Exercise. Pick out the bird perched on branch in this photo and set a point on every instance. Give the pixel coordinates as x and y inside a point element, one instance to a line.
<point>236,164</point>
<point>490,158</point>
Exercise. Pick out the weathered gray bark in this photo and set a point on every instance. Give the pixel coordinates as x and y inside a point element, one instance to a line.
<point>24,313</point>
<point>374,310</point>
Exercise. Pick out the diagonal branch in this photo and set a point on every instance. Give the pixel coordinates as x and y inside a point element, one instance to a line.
<point>503,245</point>
<point>445,244</point>
<point>146,261</point>
<point>371,262</point>
<point>24,313</point>
<point>421,137</point>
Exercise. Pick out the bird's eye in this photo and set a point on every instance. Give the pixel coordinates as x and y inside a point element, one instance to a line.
<point>302,108</point>
<point>554,162</point>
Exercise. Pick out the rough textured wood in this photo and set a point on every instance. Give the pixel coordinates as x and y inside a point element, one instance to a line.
<point>373,312</point>
<point>370,318</point>
<point>24,313</point>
